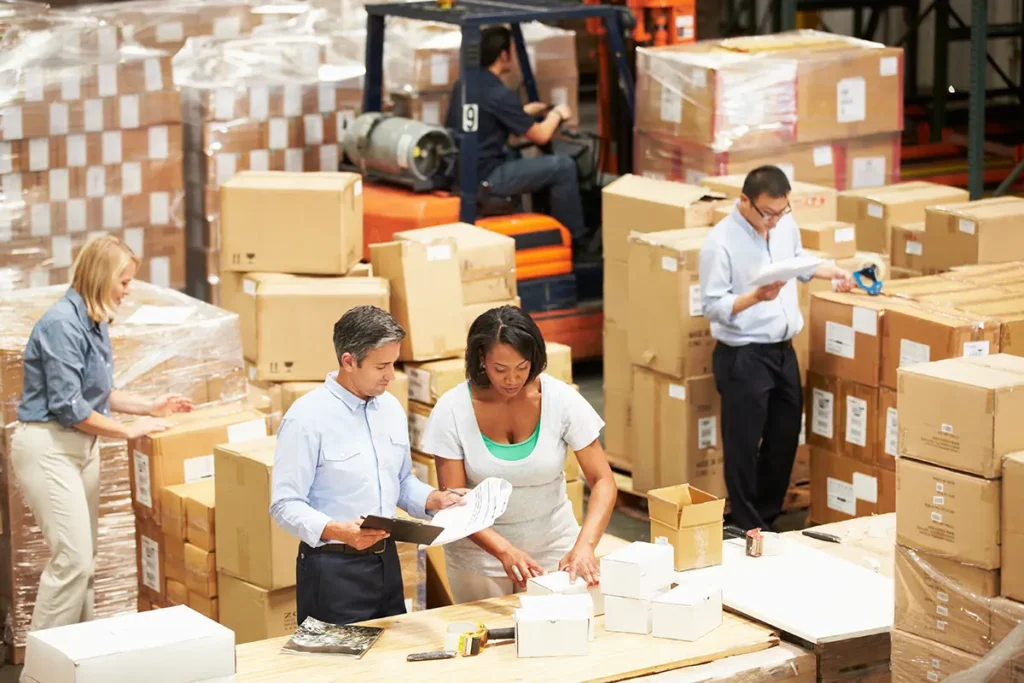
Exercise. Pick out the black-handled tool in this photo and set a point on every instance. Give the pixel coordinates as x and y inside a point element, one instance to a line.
<point>822,536</point>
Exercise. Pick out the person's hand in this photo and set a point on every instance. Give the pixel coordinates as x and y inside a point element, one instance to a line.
<point>439,500</point>
<point>843,282</point>
<point>768,292</point>
<point>535,108</point>
<point>564,111</point>
<point>519,566</point>
<point>168,404</point>
<point>581,562</point>
<point>354,535</point>
<point>147,425</point>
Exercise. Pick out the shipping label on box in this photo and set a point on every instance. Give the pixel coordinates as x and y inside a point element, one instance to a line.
<point>843,488</point>
<point>846,337</point>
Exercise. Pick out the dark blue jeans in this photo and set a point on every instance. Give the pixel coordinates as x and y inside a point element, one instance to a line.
<point>554,173</point>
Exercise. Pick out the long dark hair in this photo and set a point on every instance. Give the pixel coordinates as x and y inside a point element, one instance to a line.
<point>504,325</point>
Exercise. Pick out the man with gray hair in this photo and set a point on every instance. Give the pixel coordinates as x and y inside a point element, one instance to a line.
<point>343,453</point>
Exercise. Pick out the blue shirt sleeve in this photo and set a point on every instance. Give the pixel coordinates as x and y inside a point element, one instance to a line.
<point>62,352</point>
<point>295,462</point>
<point>716,292</point>
<point>507,108</point>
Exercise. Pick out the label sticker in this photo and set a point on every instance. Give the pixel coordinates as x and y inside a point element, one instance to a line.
<point>224,104</point>
<point>95,181</point>
<point>865,487</point>
<point>888,66</point>
<point>419,385</point>
<point>143,487</point>
<point>112,147</point>
<point>292,101</point>
<point>76,215</point>
<point>70,84</point>
<point>293,160</point>
<point>159,208</point>
<point>159,146</point>
<point>278,134</point>
<point>11,120</point>
<point>77,155</point>
<point>677,391</point>
<point>822,413</point>
<point>329,158</point>
<point>227,27</point>
<point>967,226</point>
<point>946,428</point>
<point>131,178</point>
<point>938,500</point>
<point>259,103</point>
<point>154,75</point>
<point>839,340</point>
<point>160,271</point>
<point>844,235</point>
<point>198,468</point>
<point>34,85</point>
<point>856,422</point>
<point>249,287</point>
<point>851,100</point>
<point>417,425</point>
<point>113,211</point>
<point>170,32</point>
<point>696,305</point>
<point>226,167</point>
<point>440,68</point>
<point>707,432</point>
<point>134,239</point>
<point>60,185</point>
<point>430,113</point>
<point>40,218</point>
<point>788,169</point>
<point>669,263</point>
<point>841,497</point>
<point>439,252</point>
<point>915,248</point>
<point>942,597</point>
<point>942,610</point>
<point>868,172</point>
<point>129,110</point>
<point>671,104</point>
<point>107,80</point>
<point>247,431</point>
<point>940,487</point>
<point>823,155</point>
<point>865,321</point>
<point>259,160</point>
<point>151,564</point>
<point>892,426</point>
<point>93,116</point>
<point>59,116</point>
<point>912,353</point>
<point>937,517</point>
<point>976,349</point>
<point>327,98</point>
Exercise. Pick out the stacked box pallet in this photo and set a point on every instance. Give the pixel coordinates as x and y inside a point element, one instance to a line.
<point>826,109</point>
<point>960,541</point>
<point>664,206</point>
<point>90,142</point>
<point>422,65</point>
<point>272,102</point>
<point>196,351</point>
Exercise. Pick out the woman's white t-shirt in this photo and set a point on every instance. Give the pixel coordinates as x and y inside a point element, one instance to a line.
<point>539,518</point>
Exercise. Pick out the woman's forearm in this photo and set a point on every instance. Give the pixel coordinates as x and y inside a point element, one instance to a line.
<point>491,542</point>
<point>98,424</point>
<point>129,404</point>
<point>603,495</point>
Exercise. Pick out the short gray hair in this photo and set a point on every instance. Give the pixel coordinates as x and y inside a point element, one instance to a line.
<point>363,329</point>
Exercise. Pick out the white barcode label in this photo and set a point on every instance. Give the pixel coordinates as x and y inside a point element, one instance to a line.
<point>892,426</point>
<point>154,75</point>
<point>440,67</point>
<point>313,128</point>
<point>823,155</point>
<point>707,432</point>
<point>844,235</point>
<point>933,677</point>
<point>278,134</point>
<point>327,99</point>
<point>865,321</point>
<point>59,117</point>
<point>976,349</point>
<point>821,413</point>
<point>77,151</point>
<point>143,486</point>
<point>937,517</point>
<point>942,610</point>
<point>940,487</point>
<point>696,306</point>
<point>439,252</point>
<point>669,263</point>
<point>914,248</point>
<point>803,429</point>
<point>841,497</point>
<point>942,597</point>
<point>839,340</point>
<point>158,142</point>
<point>160,208</point>
<point>865,487</point>
<point>247,431</point>
<point>856,421</point>
<point>129,110</point>
<point>677,391</point>
<point>198,468</point>
<point>151,564</point>
<point>875,210</point>
<point>851,100</point>
<point>419,385</point>
<point>967,226</point>
<point>292,101</point>
<point>913,353</point>
<point>938,500</point>
<point>888,66</point>
<point>946,428</point>
<point>940,625</point>
<point>224,104</point>
<point>249,287</point>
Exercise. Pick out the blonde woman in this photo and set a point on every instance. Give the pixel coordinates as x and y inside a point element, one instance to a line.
<point>66,403</point>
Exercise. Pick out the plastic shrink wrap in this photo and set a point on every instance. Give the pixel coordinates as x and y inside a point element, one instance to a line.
<point>187,347</point>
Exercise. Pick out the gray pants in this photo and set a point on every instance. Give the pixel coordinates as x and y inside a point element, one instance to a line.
<point>555,173</point>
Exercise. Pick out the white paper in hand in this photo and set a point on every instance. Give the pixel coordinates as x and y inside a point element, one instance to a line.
<point>784,271</point>
<point>484,504</point>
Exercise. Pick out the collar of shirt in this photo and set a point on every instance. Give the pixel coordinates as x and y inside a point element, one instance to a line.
<point>745,224</point>
<point>351,401</point>
<point>78,303</point>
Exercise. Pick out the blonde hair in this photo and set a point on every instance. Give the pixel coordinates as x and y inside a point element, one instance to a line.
<point>98,266</point>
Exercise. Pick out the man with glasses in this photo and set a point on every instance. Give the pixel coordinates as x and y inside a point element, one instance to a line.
<point>754,363</point>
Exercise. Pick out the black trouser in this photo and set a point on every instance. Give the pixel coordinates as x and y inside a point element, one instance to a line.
<point>762,404</point>
<point>344,589</point>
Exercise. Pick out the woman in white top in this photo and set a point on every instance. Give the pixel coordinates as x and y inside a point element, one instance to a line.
<point>512,422</point>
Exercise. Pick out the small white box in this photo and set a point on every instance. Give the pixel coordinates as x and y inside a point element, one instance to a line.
<point>557,583</point>
<point>172,645</point>
<point>637,571</point>
<point>628,615</point>
<point>687,612</point>
<point>554,626</point>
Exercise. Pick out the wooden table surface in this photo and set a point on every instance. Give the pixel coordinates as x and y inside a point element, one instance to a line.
<point>613,656</point>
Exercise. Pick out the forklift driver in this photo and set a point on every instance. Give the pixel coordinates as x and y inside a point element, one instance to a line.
<point>501,115</point>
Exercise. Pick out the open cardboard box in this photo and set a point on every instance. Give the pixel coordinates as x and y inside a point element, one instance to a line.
<point>691,519</point>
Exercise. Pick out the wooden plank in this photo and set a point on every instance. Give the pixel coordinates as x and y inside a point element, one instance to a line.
<point>613,656</point>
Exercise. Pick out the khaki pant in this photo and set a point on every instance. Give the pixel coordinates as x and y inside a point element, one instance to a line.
<point>58,470</point>
<point>470,586</point>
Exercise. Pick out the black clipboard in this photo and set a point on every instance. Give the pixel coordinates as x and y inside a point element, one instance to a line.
<point>403,530</point>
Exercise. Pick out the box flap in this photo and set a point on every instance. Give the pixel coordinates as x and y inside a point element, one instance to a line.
<point>257,450</point>
<point>684,506</point>
<point>324,286</point>
<point>660,191</point>
<point>286,180</point>
<point>963,371</point>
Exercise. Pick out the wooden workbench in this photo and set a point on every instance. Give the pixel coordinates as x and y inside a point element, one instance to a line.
<point>613,656</point>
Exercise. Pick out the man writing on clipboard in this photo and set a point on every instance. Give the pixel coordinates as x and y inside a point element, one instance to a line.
<point>342,454</point>
<point>754,363</point>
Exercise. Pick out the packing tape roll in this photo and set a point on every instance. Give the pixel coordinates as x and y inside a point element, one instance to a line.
<point>881,271</point>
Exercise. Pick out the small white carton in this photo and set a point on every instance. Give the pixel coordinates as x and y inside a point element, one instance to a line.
<point>628,615</point>
<point>557,583</point>
<point>554,625</point>
<point>172,645</point>
<point>637,571</point>
<point>687,612</point>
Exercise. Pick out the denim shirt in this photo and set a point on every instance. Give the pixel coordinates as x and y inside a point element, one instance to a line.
<point>69,366</point>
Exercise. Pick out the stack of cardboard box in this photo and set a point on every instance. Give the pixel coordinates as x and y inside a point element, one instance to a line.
<point>981,232</point>
<point>664,206</point>
<point>827,109</point>
<point>958,517</point>
<point>90,142</point>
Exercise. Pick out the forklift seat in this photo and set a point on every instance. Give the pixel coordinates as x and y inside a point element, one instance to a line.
<point>488,204</point>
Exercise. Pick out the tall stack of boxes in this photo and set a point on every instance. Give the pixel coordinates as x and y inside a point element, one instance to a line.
<point>826,109</point>
<point>986,231</point>
<point>90,142</point>
<point>959,550</point>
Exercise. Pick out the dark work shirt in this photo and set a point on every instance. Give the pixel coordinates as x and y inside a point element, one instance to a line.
<point>501,115</point>
<point>69,366</point>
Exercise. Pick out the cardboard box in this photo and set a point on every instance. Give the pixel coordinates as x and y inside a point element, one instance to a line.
<point>687,612</point>
<point>921,334</point>
<point>834,238</point>
<point>875,211</point>
<point>554,626</point>
<point>664,206</point>
<point>175,639</point>
<point>1009,313</point>
<point>628,615</point>
<point>947,513</point>
<point>471,312</point>
<point>274,221</point>
<point>1012,533</point>
<point>983,231</point>
<point>858,422</point>
<point>908,246</point>
<point>172,556</point>
<point>557,583</point>
<point>172,510</point>
<point>914,288</point>
<point>419,414</point>
<point>809,203</point>
<point>888,430</point>
<point>617,369</point>
<point>200,571</point>
<point>149,560</point>
<point>638,570</point>
<point>423,466</point>
<point>692,522</point>
<point>618,426</point>
<point>962,413</point>
<point>424,279</point>
<point>846,336</point>
<point>250,544</point>
<point>487,260</point>
<point>559,361</point>
<point>1007,615</point>
<point>843,488</point>
<point>957,300</point>
<point>668,332</point>
<point>821,418</point>
<point>255,613</point>
<point>183,454</point>
<point>277,307</point>
<point>431,380</point>
<point>676,431</point>
<point>944,601</point>
<point>917,659</point>
<point>208,607</point>
<point>616,290</point>
<point>177,593</point>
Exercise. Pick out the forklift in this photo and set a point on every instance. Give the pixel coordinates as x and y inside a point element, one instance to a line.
<point>418,174</point>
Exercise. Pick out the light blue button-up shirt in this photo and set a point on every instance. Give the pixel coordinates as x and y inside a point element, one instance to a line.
<point>338,458</point>
<point>732,256</point>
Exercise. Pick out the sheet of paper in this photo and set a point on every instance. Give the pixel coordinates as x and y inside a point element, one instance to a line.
<point>484,504</point>
<point>784,271</point>
<point>160,315</point>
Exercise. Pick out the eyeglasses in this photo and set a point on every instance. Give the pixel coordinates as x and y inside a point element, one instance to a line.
<point>771,216</point>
